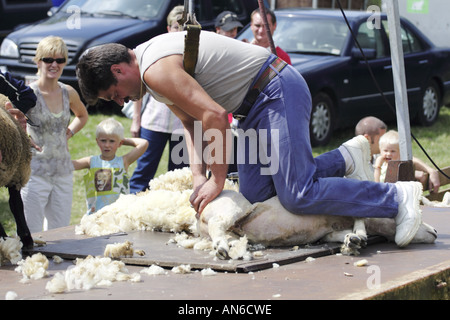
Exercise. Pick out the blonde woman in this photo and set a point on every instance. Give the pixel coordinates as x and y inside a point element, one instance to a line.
<point>48,195</point>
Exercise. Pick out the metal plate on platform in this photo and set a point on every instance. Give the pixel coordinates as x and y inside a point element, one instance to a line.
<point>159,251</point>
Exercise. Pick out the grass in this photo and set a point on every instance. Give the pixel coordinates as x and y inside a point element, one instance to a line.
<point>433,139</point>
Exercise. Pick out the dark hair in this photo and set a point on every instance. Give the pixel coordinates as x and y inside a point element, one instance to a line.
<point>268,12</point>
<point>94,69</point>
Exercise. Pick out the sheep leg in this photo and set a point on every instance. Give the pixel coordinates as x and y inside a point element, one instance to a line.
<point>16,206</point>
<point>351,242</point>
<point>217,229</point>
<point>2,232</point>
<point>359,228</point>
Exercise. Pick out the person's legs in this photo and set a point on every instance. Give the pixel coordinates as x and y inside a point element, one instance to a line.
<point>35,196</point>
<point>314,186</point>
<point>148,163</point>
<point>59,206</point>
<point>303,184</point>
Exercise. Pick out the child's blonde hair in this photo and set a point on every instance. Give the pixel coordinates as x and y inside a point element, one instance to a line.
<point>174,15</point>
<point>390,137</point>
<point>110,126</point>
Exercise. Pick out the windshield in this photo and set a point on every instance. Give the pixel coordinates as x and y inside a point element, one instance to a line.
<point>144,9</point>
<point>299,34</point>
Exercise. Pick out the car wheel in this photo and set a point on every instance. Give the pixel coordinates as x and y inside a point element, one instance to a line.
<point>431,105</point>
<point>322,117</point>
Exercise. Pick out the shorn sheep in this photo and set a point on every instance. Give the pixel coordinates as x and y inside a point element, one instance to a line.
<point>15,169</point>
<point>166,207</point>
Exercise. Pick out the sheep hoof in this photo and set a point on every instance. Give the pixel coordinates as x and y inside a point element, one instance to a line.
<point>352,243</point>
<point>27,242</point>
<point>222,254</point>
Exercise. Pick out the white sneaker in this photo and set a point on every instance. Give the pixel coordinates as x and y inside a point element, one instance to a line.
<point>359,149</point>
<point>409,217</point>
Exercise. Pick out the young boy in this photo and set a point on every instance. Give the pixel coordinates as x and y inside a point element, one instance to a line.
<point>390,150</point>
<point>107,177</point>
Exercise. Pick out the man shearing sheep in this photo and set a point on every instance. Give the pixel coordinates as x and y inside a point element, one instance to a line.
<point>266,95</point>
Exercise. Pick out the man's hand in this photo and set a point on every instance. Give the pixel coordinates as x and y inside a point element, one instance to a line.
<point>203,194</point>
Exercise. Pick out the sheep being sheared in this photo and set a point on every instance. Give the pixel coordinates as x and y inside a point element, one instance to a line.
<point>229,216</point>
<point>15,168</point>
<point>270,224</point>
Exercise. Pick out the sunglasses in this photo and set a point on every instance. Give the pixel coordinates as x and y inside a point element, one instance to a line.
<point>51,60</point>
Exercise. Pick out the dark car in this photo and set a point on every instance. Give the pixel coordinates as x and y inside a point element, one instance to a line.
<point>14,13</point>
<point>86,23</point>
<point>323,50</point>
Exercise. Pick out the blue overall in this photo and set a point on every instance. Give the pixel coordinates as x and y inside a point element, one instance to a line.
<point>304,184</point>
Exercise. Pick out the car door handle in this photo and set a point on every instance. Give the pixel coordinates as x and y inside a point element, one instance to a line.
<point>387,67</point>
<point>423,61</point>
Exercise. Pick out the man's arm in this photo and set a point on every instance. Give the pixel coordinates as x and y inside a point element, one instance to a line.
<point>168,77</point>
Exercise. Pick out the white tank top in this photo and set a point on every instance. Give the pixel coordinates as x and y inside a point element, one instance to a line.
<point>225,66</point>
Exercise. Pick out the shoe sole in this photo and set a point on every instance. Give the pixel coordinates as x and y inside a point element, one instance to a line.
<point>369,175</point>
<point>417,194</point>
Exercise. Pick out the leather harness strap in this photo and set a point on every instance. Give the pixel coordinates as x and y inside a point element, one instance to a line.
<point>191,41</point>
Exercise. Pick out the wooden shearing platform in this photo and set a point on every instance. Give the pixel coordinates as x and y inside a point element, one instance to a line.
<point>159,250</point>
<point>419,271</point>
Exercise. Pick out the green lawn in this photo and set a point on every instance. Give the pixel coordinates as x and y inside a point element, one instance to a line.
<point>434,139</point>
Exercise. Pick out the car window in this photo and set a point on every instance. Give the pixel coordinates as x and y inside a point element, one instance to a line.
<point>202,13</point>
<point>371,38</point>
<point>145,9</point>
<point>315,36</point>
<point>410,42</point>
<point>219,6</point>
